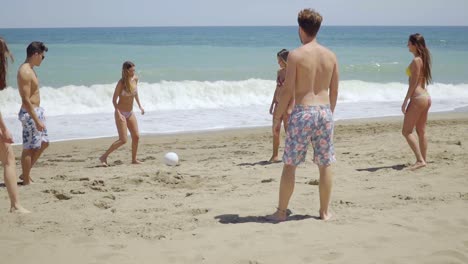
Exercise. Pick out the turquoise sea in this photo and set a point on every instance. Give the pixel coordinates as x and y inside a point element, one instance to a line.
<point>203,78</point>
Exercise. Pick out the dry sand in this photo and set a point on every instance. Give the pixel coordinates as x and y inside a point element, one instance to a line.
<point>210,208</point>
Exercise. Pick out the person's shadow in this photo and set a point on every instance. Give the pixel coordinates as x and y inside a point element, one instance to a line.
<point>394,167</point>
<point>2,185</point>
<point>236,219</point>
<point>262,163</point>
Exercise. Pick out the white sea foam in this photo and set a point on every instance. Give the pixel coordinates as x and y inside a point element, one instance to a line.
<point>189,95</point>
<point>76,112</point>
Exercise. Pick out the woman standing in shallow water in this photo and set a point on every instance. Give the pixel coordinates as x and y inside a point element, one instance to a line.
<point>416,111</point>
<point>7,156</point>
<point>125,93</point>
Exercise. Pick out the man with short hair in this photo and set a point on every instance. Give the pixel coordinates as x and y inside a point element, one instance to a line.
<point>312,78</point>
<point>31,115</point>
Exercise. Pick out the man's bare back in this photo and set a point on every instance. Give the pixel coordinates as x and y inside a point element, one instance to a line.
<point>315,66</point>
<point>311,77</point>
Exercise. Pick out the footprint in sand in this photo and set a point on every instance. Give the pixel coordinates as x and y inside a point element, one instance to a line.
<point>60,177</point>
<point>148,158</point>
<point>110,196</point>
<point>102,204</point>
<point>58,194</point>
<point>97,185</point>
<point>118,189</point>
<point>267,180</point>
<point>199,211</point>
<point>313,182</point>
<point>464,196</point>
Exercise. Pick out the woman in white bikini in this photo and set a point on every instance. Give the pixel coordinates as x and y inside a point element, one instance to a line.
<point>125,93</point>
<point>416,111</point>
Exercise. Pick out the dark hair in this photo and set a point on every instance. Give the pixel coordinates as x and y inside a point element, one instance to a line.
<point>422,51</point>
<point>283,54</point>
<point>4,54</point>
<point>35,47</point>
<point>309,20</point>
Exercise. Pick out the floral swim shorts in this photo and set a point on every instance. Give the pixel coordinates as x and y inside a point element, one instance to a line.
<point>312,124</point>
<point>32,138</point>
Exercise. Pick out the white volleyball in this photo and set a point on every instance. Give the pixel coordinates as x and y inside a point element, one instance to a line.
<point>171,159</point>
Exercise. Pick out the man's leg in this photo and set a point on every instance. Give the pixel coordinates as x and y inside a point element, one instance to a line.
<point>26,161</point>
<point>325,187</point>
<point>37,153</point>
<point>285,192</point>
<point>286,186</point>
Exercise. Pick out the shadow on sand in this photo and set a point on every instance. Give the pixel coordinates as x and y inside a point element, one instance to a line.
<point>236,219</point>
<point>395,167</point>
<point>262,163</point>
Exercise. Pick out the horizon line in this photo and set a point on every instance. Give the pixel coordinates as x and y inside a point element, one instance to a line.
<point>213,26</point>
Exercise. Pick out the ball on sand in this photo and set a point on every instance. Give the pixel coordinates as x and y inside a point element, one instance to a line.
<point>171,159</point>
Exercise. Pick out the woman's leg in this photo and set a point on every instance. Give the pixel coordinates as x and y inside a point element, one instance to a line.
<point>276,142</point>
<point>7,157</point>
<point>122,130</point>
<point>421,130</point>
<point>413,114</point>
<point>132,125</point>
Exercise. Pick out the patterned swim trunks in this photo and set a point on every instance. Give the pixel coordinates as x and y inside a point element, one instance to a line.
<point>32,138</point>
<point>310,124</point>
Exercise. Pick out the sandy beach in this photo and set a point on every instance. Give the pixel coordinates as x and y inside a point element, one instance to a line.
<point>211,207</point>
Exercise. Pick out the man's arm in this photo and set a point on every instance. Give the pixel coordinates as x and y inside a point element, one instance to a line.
<point>333,94</point>
<point>24,87</point>
<point>287,92</point>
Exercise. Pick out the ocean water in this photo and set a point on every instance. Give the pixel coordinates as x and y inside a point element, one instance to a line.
<point>205,78</point>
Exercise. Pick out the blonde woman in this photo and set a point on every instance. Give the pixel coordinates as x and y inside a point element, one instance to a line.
<point>125,93</point>
<point>7,156</point>
<point>416,111</point>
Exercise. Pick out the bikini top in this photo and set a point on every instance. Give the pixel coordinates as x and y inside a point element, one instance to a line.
<point>408,71</point>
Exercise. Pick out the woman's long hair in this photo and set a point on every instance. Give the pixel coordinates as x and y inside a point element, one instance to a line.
<point>422,51</point>
<point>129,87</point>
<point>4,54</point>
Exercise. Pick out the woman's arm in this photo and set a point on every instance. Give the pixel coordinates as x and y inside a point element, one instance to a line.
<point>5,135</point>
<point>137,99</point>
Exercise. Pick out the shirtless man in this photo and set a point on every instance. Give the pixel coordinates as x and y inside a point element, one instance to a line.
<point>31,115</point>
<point>312,78</point>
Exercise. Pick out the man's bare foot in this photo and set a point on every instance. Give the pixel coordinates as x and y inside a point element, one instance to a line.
<point>325,216</point>
<point>274,159</point>
<point>103,161</point>
<point>418,165</point>
<point>19,209</point>
<point>279,215</point>
<point>137,162</point>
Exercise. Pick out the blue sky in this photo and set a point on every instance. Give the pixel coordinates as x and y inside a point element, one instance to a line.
<point>115,13</point>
